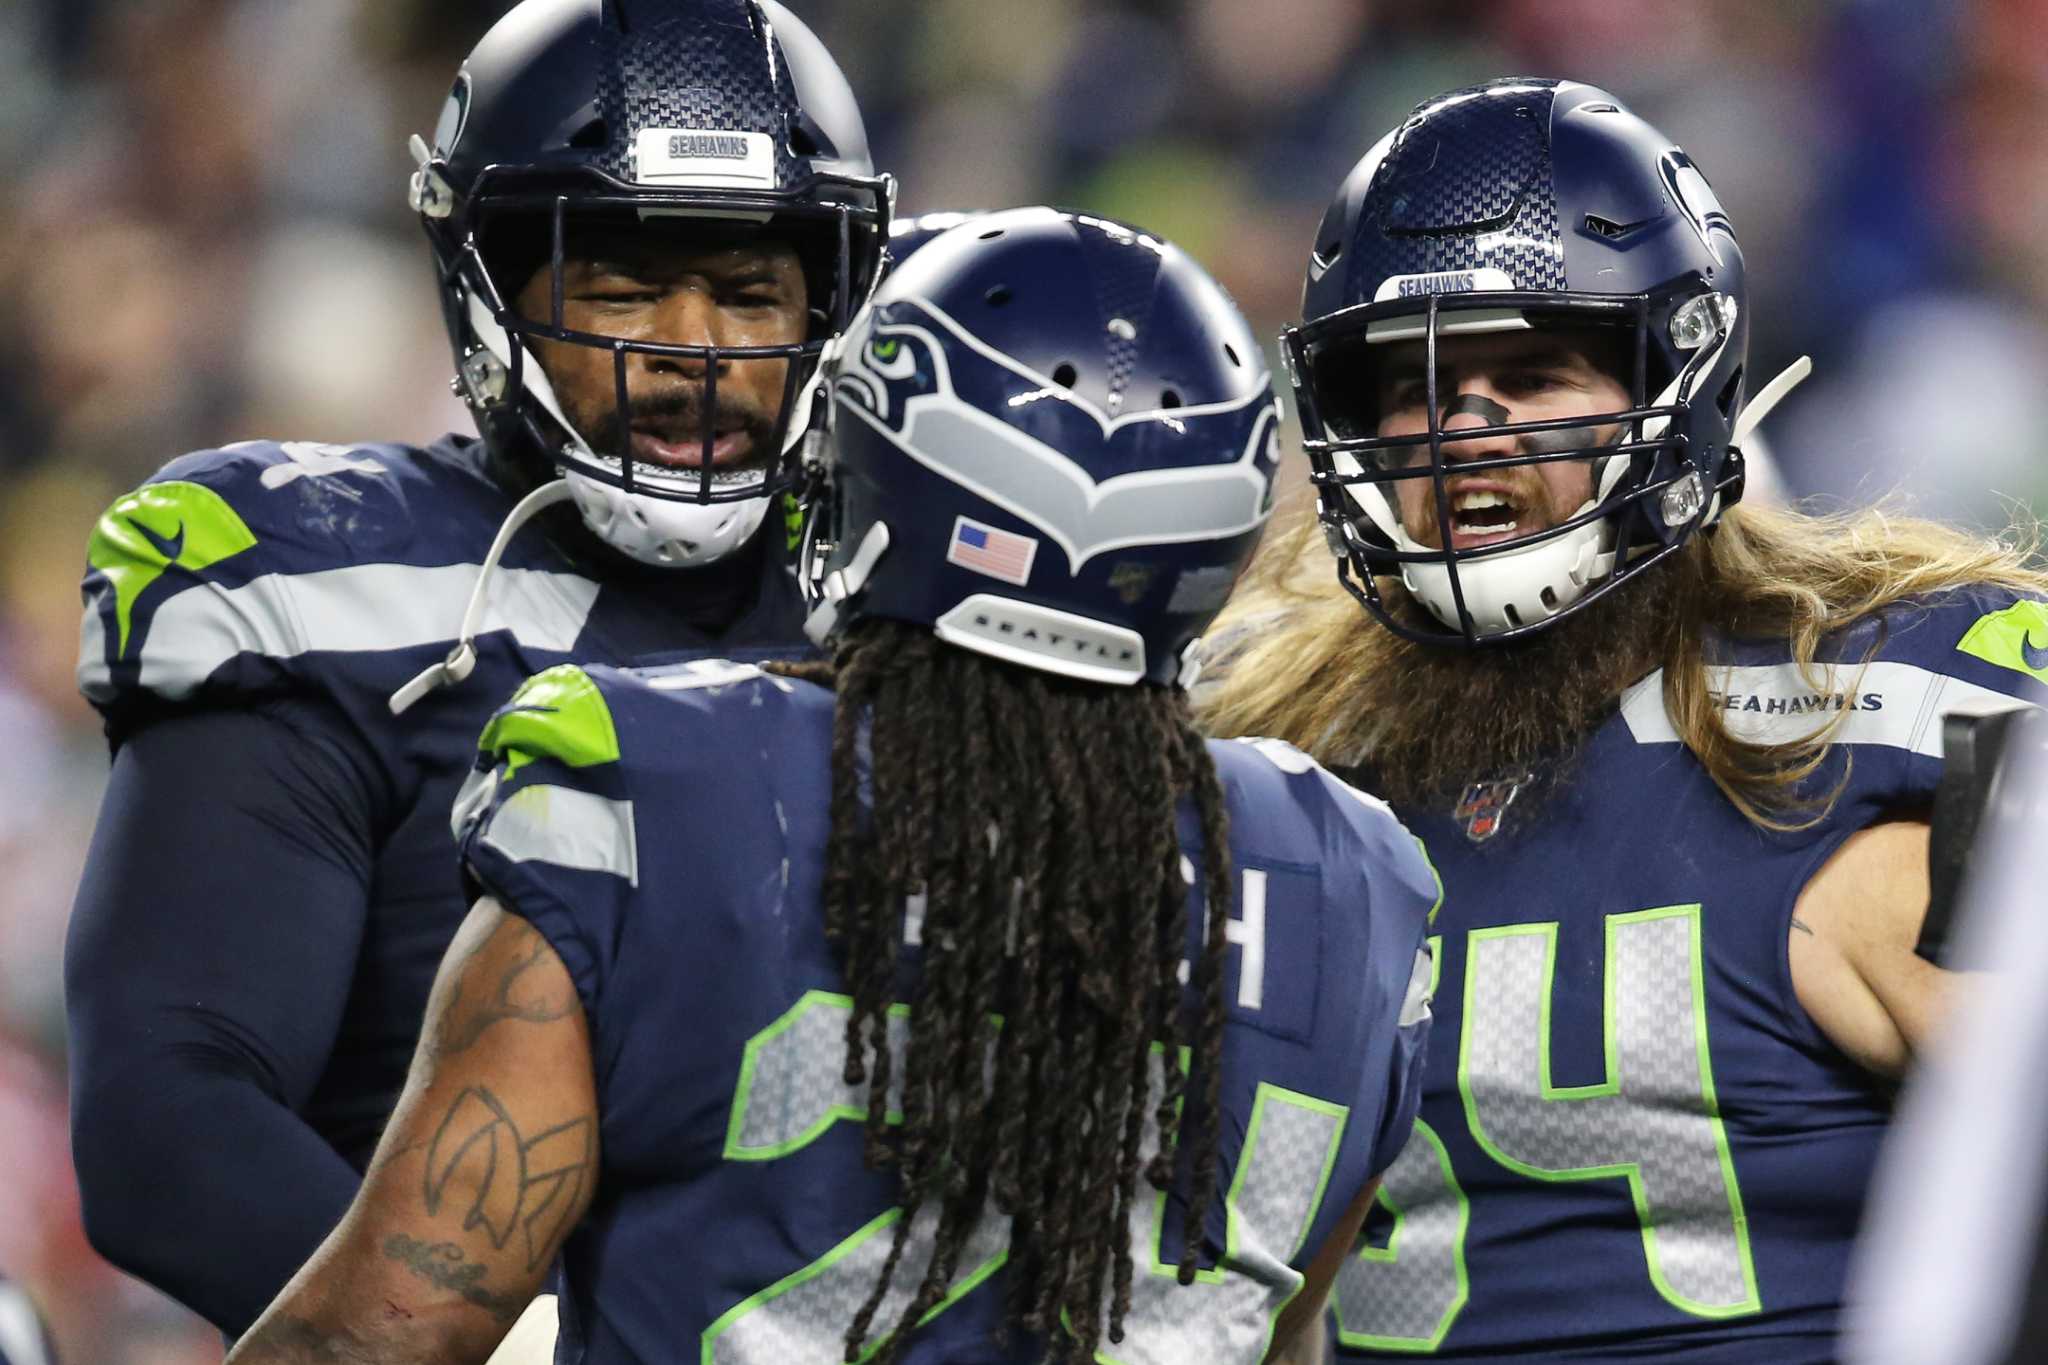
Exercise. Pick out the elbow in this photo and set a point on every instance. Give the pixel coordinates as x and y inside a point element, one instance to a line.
<point>122,1192</point>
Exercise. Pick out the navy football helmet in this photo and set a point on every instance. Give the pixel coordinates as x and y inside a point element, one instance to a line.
<point>1053,440</point>
<point>725,116</point>
<point>909,235</point>
<point>1523,204</point>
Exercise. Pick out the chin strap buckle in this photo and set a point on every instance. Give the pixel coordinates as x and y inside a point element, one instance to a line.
<point>842,584</point>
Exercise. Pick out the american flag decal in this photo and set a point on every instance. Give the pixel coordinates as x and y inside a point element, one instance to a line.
<point>984,549</point>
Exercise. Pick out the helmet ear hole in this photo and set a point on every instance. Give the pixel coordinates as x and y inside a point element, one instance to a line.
<point>1725,400</point>
<point>997,295</point>
<point>1169,399</point>
<point>1064,375</point>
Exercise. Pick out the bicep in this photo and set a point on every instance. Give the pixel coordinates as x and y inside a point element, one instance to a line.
<point>1851,947</point>
<point>489,1160</point>
<point>224,897</point>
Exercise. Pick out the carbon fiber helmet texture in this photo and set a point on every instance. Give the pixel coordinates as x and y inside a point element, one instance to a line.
<point>713,65</point>
<point>1467,183</point>
<point>1125,284</point>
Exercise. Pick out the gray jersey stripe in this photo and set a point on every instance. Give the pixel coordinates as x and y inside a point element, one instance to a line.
<point>568,828</point>
<point>360,608</point>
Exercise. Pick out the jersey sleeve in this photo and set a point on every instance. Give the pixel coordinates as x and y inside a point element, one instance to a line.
<point>212,581</point>
<point>1999,643</point>
<point>221,909</point>
<point>546,825</point>
<point>1394,880</point>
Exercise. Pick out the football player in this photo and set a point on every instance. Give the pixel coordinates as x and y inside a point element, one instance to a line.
<point>647,220</point>
<point>923,1005</point>
<point>1674,754</point>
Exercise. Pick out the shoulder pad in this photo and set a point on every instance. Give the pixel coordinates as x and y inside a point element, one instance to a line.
<point>558,714</point>
<point>1387,849</point>
<point>548,786</point>
<point>2005,631</point>
<point>232,565</point>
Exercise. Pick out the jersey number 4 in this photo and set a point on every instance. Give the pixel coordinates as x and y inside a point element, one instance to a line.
<point>1654,1122</point>
<point>792,1090</point>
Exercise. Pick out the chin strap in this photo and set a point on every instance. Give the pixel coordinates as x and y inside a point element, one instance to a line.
<point>462,659</point>
<point>1768,397</point>
<point>844,583</point>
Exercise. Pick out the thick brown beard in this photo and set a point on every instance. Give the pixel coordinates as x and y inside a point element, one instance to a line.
<point>1449,717</point>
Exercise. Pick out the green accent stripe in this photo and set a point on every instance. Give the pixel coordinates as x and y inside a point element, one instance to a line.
<point>558,714</point>
<point>156,526</point>
<point>2012,638</point>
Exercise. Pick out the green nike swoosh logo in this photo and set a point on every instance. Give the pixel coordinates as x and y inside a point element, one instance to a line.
<point>147,531</point>
<point>170,548</point>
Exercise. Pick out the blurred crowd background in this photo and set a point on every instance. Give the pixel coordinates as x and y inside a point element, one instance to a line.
<point>204,240</point>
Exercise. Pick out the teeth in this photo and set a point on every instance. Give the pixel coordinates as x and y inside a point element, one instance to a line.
<point>683,476</point>
<point>1476,502</point>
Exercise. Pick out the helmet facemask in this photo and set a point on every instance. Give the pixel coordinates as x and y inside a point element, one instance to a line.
<point>512,274</point>
<point>1484,584</point>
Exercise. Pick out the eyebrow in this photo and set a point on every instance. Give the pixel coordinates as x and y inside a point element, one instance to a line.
<point>740,274</point>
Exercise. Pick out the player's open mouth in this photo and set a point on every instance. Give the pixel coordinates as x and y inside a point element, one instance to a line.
<point>679,449</point>
<point>685,478</point>
<point>1484,513</point>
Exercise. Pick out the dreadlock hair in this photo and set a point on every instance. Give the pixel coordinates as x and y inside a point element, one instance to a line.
<point>1036,818</point>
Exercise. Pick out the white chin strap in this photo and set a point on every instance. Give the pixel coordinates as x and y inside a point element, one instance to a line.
<point>659,531</point>
<point>662,532</point>
<point>1509,590</point>
<point>1518,587</point>
<point>1524,586</point>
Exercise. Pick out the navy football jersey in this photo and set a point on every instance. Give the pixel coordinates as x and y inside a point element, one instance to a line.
<point>1634,1143</point>
<point>337,573</point>
<point>666,830</point>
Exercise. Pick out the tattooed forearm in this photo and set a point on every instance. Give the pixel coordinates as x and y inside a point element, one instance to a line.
<point>282,1339</point>
<point>443,1265</point>
<point>506,1183</point>
<point>465,1020</point>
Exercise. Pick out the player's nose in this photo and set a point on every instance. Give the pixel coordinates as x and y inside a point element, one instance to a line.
<point>1476,406</point>
<point>686,316</point>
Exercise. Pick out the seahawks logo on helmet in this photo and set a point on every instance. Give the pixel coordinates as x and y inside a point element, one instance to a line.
<point>1696,200</point>
<point>931,388</point>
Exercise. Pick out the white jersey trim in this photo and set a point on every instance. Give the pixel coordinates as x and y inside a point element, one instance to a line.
<point>1896,705</point>
<point>360,608</point>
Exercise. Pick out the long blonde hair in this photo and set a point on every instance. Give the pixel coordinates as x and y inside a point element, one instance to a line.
<point>1306,652</point>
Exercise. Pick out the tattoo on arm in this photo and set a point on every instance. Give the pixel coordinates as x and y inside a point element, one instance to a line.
<point>461,1026</point>
<point>522,1185</point>
<point>443,1265</point>
<point>296,1341</point>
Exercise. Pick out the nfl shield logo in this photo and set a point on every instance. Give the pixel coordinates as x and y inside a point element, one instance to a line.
<point>1484,806</point>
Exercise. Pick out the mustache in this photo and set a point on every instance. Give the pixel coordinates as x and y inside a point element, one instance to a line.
<point>686,409</point>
